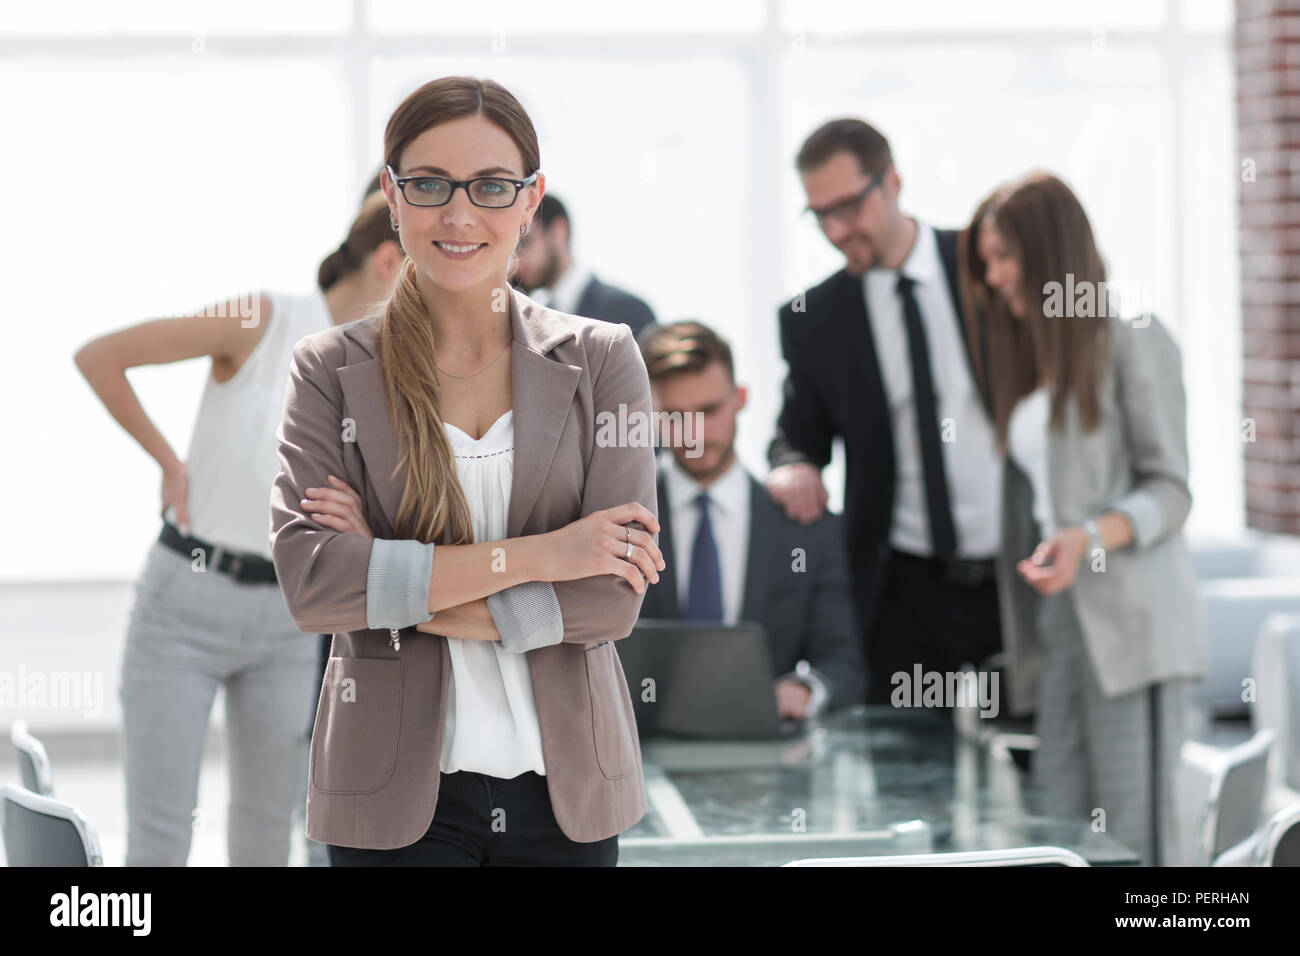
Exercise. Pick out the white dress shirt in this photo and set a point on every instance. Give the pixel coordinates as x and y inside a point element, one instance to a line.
<point>729,508</point>
<point>567,291</point>
<point>729,519</point>
<point>971,462</point>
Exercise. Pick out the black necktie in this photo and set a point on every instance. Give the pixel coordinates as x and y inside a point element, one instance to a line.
<point>943,536</point>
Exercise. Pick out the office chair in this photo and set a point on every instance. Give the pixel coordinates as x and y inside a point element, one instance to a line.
<point>33,762</point>
<point>1007,737</point>
<point>1023,856</point>
<point>42,831</point>
<point>1279,842</point>
<point>1276,707</point>
<point>1234,797</point>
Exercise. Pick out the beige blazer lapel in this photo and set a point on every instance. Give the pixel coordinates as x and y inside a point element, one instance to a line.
<point>542,391</point>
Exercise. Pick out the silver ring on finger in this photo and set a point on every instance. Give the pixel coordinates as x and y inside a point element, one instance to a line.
<point>628,556</point>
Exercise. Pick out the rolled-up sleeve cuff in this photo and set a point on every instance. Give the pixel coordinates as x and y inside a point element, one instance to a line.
<point>397,583</point>
<point>791,457</point>
<point>1143,511</point>
<point>527,615</point>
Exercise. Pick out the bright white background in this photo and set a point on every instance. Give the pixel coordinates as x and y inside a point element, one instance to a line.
<point>227,144</point>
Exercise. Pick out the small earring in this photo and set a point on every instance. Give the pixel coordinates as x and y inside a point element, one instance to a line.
<point>393,222</point>
<point>523,230</point>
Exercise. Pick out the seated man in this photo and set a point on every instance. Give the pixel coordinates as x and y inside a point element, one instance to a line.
<point>732,553</point>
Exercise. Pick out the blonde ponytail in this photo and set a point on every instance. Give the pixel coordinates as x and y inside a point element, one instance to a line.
<point>434,507</point>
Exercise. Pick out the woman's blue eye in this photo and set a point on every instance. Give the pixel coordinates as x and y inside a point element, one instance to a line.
<point>493,186</point>
<point>428,185</point>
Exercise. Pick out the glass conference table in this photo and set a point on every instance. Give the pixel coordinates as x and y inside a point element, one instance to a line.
<point>865,781</point>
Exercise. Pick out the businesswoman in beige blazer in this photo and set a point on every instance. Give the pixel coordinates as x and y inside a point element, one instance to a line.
<point>453,506</point>
<point>1101,621</point>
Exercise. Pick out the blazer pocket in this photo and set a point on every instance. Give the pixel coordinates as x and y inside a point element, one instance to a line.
<point>610,711</point>
<point>354,744</point>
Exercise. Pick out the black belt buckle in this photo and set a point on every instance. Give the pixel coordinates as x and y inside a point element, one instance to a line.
<point>240,567</point>
<point>967,572</point>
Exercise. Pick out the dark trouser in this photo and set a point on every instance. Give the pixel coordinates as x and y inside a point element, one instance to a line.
<point>488,821</point>
<point>921,618</point>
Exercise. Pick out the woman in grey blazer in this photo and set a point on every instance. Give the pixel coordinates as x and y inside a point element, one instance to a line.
<point>1101,623</point>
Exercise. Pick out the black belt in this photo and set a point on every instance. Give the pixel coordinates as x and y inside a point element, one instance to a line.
<point>965,572</point>
<point>240,566</point>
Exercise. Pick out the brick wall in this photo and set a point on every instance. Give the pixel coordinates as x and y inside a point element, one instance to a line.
<point>1267,54</point>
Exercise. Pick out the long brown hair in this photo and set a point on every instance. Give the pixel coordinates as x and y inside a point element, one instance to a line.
<point>1048,233</point>
<point>371,229</point>
<point>433,508</point>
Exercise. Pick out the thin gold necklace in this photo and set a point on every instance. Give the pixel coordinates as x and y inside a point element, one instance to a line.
<point>483,369</point>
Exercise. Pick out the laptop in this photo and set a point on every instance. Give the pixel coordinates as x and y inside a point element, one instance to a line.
<point>701,679</point>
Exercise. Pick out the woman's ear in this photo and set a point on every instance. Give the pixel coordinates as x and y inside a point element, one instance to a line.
<point>538,189</point>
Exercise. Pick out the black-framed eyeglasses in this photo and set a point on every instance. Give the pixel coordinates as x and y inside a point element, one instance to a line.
<point>846,209</point>
<point>492,192</point>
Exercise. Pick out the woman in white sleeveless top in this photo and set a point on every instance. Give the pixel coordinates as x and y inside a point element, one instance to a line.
<point>208,612</point>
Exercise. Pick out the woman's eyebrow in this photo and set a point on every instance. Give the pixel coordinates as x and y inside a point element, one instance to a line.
<point>439,171</point>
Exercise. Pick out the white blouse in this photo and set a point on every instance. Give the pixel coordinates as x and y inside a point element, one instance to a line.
<point>491,725</point>
<point>1027,444</point>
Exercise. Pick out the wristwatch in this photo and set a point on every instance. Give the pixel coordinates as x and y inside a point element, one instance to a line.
<point>1094,536</point>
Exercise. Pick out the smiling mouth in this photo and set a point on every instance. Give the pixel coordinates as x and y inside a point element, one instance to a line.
<point>460,248</point>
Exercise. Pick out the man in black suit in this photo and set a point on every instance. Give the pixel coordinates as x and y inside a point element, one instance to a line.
<point>735,556</point>
<point>879,355</point>
<point>547,272</point>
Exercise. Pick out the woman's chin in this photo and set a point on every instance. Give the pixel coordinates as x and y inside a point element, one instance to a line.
<point>453,279</point>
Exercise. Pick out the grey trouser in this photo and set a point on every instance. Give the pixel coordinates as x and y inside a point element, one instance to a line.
<point>189,633</point>
<point>1095,752</point>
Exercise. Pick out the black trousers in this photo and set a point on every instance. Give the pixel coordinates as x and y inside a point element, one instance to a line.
<point>488,821</point>
<point>923,619</point>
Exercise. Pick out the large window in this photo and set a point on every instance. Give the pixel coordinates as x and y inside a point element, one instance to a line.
<point>229,143</point>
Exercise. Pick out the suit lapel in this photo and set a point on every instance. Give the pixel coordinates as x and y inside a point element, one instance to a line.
<point>542,391</point>
<point>668,577</point>
<point>850,302</point>
<point>947,240</point>
<point>363,400</point>
<point>758,565</point>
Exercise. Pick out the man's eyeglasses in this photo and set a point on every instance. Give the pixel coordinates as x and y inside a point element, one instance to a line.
<point>845,210</point>
<point>492,192</point>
